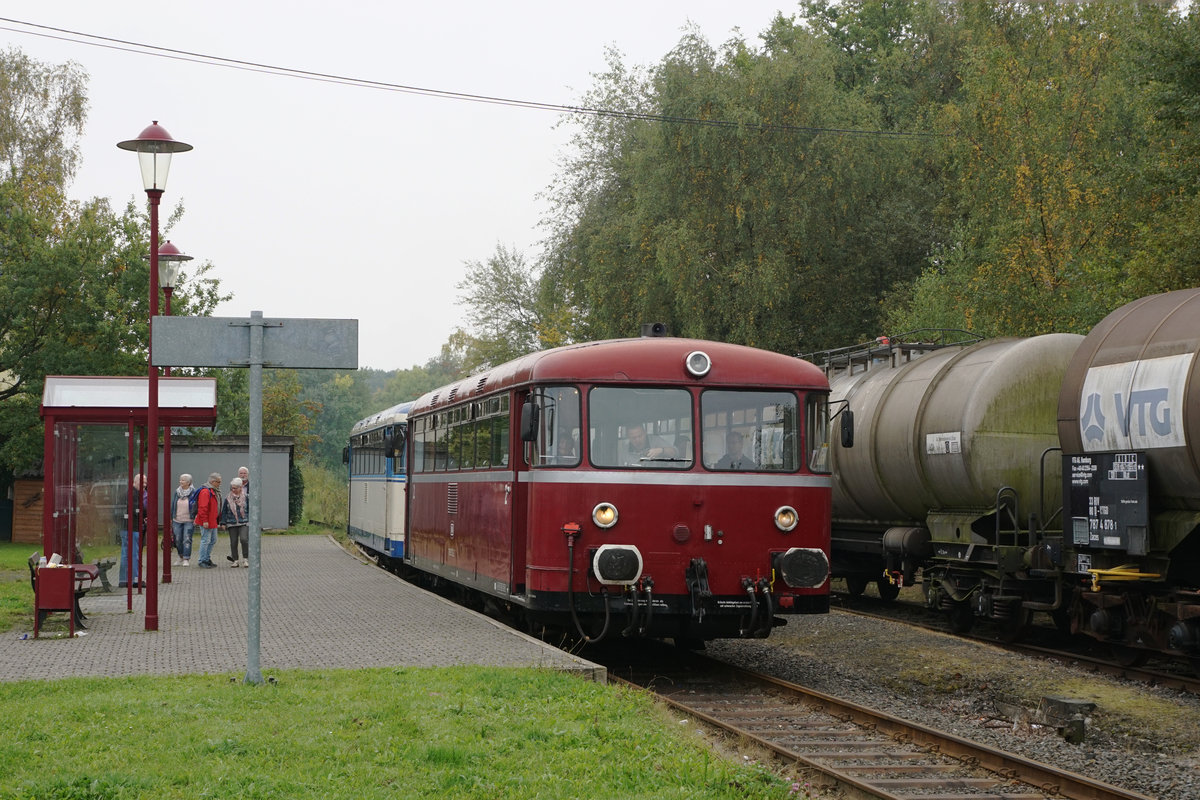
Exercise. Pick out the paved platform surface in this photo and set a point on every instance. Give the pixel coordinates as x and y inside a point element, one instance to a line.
<point>321,607</point>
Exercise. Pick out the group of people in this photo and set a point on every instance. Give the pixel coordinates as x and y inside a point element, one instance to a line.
<point>204,507</point>
<point>192,507</point>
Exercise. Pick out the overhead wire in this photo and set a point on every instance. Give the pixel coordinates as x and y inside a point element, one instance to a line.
<point>139,48</point>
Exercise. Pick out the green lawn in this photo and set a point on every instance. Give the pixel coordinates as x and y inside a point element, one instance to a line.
<point>462,732</point>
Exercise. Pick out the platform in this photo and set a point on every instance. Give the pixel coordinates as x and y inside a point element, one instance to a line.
<point>322,607</point>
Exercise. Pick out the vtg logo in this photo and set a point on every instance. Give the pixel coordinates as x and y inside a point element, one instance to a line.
<point>1134,405</point>
<point>1145,406</point>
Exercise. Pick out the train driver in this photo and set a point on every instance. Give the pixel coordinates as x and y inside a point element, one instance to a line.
<point>734,458</point>
<point>643,448</point>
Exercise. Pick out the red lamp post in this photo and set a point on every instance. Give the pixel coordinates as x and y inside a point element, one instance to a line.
<point>170,259</point>
<point>154,147</point>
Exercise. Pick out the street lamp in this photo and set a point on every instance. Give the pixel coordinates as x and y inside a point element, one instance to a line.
<point>154,147</point>
<point>170,259</point>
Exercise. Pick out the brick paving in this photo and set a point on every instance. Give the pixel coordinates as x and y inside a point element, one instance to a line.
<point>321,607</point>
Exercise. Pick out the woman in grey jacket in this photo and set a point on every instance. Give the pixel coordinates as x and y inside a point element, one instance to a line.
<point>235,516</point>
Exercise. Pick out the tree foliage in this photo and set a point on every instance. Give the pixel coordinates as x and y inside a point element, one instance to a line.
<point>73,276</point>
<point>42,112</point>
<point>1044,145</point>
<point>759,216</point>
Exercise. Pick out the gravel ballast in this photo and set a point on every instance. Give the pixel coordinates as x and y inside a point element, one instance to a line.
<point>1139,737</point>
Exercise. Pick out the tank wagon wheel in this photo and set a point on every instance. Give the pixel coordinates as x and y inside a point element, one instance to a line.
<point>856,585</point>
<point>1127,656</point>
<point>961,616</point>
<point>887,589</point>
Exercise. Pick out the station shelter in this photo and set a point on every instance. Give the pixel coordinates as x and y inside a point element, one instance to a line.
<point>96,442</point>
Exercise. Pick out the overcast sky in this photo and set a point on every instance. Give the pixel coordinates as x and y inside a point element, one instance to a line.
<point>319,200</point>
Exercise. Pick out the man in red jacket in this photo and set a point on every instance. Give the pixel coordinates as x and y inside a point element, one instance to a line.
<point>208,504</point>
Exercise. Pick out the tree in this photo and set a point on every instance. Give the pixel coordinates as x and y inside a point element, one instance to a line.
<point>1169,67</point>
<point>1045,146</point>
<point>753,211</point>
<point>507,314</point>
<point>73,276</point>
<point>42,112</point>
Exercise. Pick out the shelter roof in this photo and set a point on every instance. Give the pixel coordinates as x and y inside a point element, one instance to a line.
<point>96,399</point>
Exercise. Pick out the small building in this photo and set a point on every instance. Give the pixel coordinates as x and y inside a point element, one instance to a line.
<point>224,454</point>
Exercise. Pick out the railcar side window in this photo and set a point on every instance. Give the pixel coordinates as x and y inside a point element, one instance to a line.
<point>640,428</point>
<point>557,442</point>
<point>471,436</point>
<point>748,431</point>
<point>816,427</point>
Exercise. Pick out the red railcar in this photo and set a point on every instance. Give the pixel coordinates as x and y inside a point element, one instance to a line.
<point>657,486</point>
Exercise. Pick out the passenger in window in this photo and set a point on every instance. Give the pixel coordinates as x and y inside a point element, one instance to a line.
<point>643,448</point>
<point>734,458</point>
<point>564,451</point>
<point>683,447</point>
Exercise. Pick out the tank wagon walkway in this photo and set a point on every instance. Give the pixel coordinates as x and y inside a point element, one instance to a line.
<point>321,607</point>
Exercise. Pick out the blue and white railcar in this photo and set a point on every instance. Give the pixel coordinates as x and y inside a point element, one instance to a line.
<point>378,482</point>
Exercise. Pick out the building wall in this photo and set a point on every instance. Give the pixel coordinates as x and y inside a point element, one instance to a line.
<point>225,455</point>
<point>27,511</point>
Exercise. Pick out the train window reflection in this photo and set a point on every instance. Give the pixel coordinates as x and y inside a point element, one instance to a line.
<point>640,428</point>
<point>750,431</point>
<point>557,442</point>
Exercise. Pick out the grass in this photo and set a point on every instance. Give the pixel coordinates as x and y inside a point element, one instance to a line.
<point>460,732</point>
<point>325,494</point>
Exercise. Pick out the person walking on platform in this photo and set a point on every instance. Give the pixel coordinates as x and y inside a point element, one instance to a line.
<point>208,504</point>
<point>184,504</point>
<point>244,474</point>
<point>235,516</point>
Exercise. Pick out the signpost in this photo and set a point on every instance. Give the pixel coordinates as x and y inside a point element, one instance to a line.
<point>256,342</point>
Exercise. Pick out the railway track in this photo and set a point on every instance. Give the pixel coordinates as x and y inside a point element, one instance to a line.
<point>1039,643</point>
<point>856,750</point>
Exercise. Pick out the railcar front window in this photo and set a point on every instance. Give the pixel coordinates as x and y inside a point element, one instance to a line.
<point>558,439</point>
<point>645,428</point>
<point>750,431</point>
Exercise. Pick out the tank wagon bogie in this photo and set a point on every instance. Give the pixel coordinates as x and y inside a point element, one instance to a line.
<point>1056,474</point>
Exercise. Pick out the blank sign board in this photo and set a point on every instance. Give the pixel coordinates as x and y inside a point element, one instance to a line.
<point>225,342</point>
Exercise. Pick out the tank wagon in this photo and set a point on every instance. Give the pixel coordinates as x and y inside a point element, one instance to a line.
<point>1057,473</point>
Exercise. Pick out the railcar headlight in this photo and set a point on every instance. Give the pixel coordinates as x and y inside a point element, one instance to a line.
<point>786,518</point>
<point>604,515</point>
<point>698,363</point>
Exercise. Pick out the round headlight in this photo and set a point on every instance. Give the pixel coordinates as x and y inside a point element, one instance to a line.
<point>698,363</point>
<point>604,515</point>
<point>786,518</point>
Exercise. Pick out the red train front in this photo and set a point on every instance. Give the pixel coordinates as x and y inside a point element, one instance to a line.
<point>654,487</point>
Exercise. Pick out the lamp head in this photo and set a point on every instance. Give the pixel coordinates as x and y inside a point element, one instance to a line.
<point>154,147</point>
<point>170,259</point>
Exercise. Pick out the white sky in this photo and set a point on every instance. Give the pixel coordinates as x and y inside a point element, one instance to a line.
<point>318,200</point>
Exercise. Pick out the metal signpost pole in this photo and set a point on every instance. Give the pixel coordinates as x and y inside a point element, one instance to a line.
<point>254,611</point>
